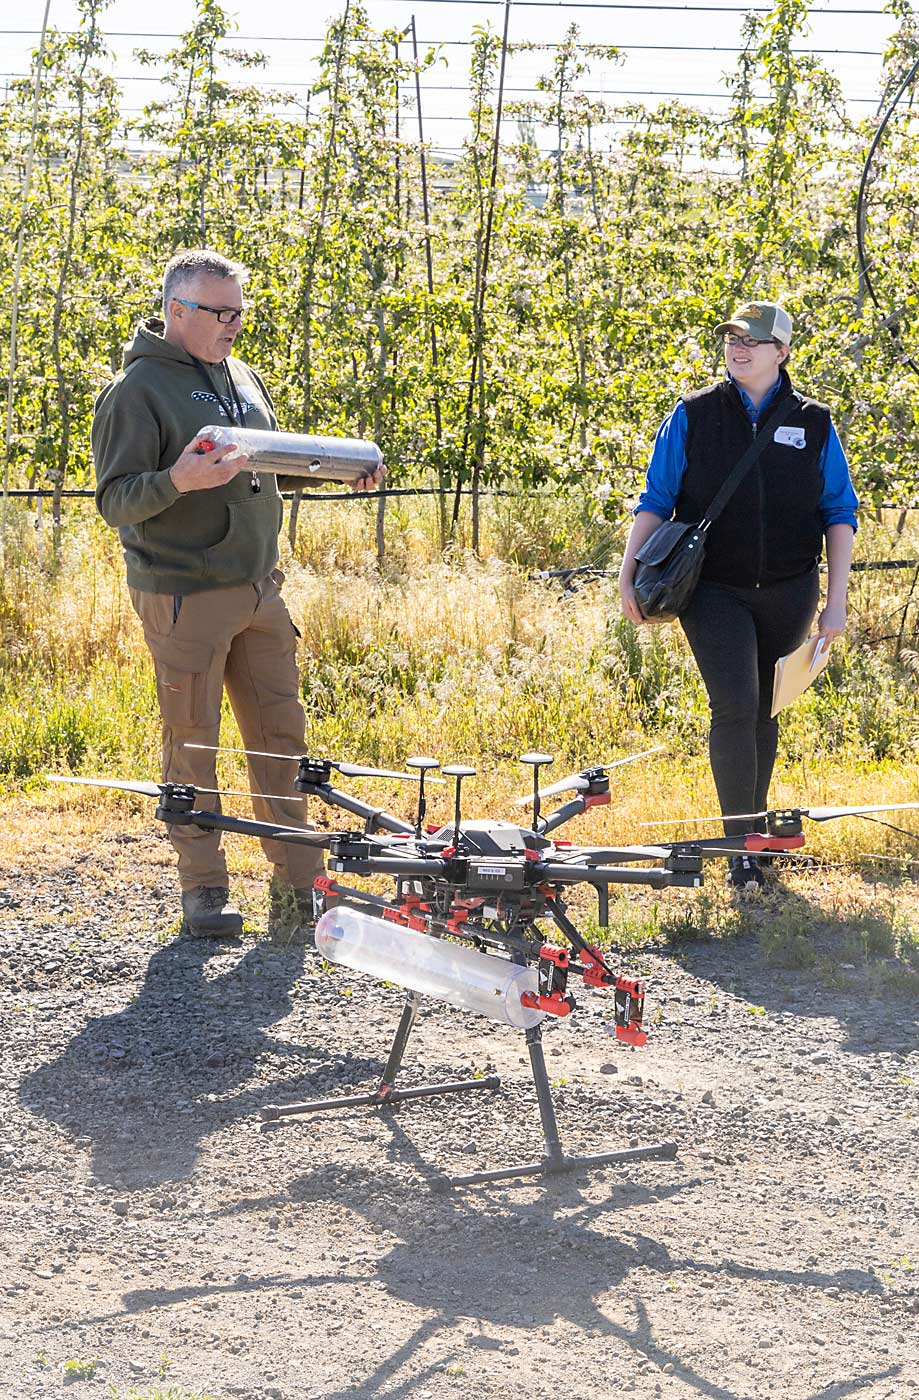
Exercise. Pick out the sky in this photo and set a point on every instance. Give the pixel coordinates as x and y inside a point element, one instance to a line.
<point>665,50</point>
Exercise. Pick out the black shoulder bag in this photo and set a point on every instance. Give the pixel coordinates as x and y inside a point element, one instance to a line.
<point>670,561</point>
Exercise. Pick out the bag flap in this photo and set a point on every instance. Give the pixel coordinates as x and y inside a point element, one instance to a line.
<point>662,543</point>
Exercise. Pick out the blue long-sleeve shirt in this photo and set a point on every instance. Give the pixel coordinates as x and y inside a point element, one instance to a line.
<point>838,503</point>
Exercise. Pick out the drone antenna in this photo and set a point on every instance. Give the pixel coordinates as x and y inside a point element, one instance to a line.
<point>459,771</point>
<point>536,761</point>
<point>423,764</point>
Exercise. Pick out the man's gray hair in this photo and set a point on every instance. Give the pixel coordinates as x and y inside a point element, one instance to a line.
<point>184,267</point>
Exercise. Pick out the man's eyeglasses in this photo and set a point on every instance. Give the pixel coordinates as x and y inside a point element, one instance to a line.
<point>226,315</point>
<point>747,341</point>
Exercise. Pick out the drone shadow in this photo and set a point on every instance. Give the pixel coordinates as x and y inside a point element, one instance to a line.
<point>148,1083</point>
<point>524,1267</point>
<point>504,1278</point>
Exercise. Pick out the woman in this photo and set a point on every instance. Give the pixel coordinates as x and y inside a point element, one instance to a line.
<point>759,590</point>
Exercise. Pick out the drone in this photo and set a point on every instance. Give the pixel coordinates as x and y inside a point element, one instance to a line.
<point>462,922</point>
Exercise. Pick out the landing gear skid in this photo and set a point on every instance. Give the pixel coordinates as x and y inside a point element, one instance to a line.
<point>554,1163</point>
<point>385,1092</point>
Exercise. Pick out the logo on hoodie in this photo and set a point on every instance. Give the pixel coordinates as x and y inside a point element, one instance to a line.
<point>203,396</point>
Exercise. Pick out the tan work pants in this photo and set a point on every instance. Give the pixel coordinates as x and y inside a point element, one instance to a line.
<point>243,639</point>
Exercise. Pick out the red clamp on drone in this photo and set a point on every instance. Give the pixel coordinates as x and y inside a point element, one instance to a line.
<point>462,910</point>
<point>410,913</point>
<point>553,979</point>
<point>594,970</point>
<point>204,445</point>
<point>630,1005</point>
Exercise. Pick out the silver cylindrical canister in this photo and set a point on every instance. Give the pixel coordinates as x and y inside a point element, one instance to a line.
<point>298,454</point>
<point>453,973</point>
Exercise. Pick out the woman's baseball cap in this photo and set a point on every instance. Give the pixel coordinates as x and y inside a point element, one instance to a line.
<point>764,320</point>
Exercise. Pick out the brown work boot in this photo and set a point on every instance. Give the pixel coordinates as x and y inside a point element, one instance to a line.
<point>291,918</point>
<point>209,913</point>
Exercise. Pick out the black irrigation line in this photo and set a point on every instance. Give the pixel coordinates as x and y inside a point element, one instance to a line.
<point>43,493</point>
<point>860,566</point>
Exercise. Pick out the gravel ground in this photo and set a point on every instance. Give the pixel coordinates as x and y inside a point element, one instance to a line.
<point>151,1228</point>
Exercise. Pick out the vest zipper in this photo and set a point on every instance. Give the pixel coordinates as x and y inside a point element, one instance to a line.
<point>762,505</point>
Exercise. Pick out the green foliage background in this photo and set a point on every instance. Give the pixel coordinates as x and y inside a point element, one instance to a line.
<point>554,362</point>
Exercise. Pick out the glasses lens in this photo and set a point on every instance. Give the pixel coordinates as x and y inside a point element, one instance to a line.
<point>226,318</point>
<point>747,341</point>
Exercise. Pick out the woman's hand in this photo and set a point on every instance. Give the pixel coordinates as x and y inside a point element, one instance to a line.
<point>643,527</point>
<point>630,607</point>
<point>832,622</point>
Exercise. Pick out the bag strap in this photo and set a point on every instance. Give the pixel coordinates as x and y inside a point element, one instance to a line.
<point>757,446</point>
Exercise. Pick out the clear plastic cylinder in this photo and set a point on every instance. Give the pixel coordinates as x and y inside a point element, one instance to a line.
<point>451,972</point>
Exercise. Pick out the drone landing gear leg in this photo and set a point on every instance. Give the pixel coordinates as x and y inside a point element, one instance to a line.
<point>555,1162</point>
<point>385,1092</point>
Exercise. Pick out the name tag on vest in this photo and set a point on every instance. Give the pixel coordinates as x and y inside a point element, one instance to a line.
<point>790,437</point>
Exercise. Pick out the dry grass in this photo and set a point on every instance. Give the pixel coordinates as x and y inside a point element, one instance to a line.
<point>468,660</point>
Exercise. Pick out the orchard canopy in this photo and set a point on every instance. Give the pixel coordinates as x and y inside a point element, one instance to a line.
<point>524,313</point>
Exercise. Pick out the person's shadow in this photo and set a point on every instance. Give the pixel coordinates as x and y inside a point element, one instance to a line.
<point>148,1083</point>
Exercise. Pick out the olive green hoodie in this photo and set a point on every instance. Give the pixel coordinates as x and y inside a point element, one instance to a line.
<point>180,543</point>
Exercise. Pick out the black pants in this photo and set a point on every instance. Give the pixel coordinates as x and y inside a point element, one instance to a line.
<point>736,636</point>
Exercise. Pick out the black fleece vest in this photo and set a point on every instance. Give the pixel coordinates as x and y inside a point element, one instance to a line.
<point>771,528</point>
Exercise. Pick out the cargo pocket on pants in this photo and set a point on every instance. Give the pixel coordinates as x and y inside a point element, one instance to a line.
<point>181,680</point>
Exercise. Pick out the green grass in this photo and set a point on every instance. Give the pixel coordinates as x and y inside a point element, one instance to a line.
<point>171,1394</point>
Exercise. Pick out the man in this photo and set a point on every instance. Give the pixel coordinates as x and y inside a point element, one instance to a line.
<point>199,533</point>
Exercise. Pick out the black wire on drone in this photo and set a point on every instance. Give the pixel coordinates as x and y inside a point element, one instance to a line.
<point>860,212</point>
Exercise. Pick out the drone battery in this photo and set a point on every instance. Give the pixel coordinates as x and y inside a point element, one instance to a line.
<point>299,454</point>
<point>495,875</point>
<point>435,967</point>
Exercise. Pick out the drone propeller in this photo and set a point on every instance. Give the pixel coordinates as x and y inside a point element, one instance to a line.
<point>816,814</point>
<point>577,782</point>
<point>157,789</point>
<point>348,770</point>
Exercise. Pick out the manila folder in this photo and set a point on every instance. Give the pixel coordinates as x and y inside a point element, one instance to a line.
<point>796,671</point>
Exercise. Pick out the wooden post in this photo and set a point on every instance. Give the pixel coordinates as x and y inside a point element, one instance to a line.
<point>17,278</point>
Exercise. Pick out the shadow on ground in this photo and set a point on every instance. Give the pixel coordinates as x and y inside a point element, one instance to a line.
<point>147,1084</point>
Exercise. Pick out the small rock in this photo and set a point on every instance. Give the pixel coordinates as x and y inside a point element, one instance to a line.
<point>609,1069</point>
<point>273,1222</point>
<point>708,1097</point>
<point>121,1207</point>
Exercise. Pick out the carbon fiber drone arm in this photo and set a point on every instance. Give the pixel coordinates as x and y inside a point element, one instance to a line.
<point>658,877</point>
<point>374,818</point>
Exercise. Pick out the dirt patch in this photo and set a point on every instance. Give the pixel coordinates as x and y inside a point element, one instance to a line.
<point>151,1228</point>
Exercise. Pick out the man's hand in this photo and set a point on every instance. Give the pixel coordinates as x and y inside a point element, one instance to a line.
<point>200,471</point>
<point>367,483</point>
